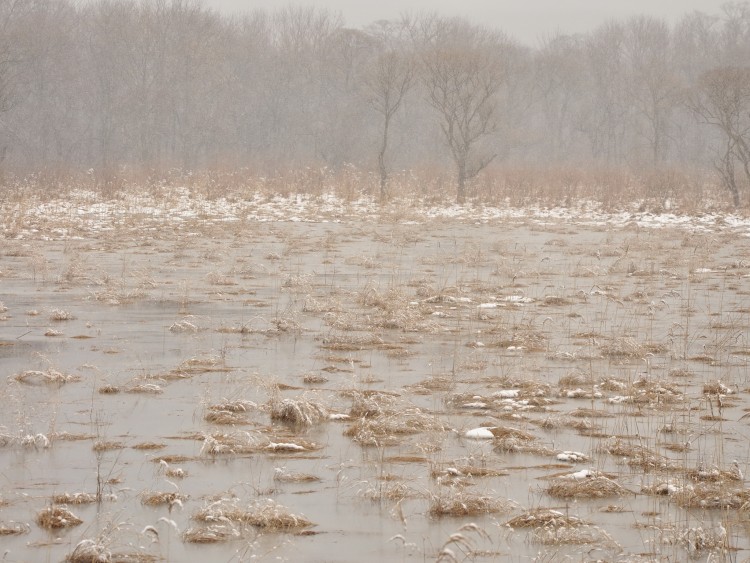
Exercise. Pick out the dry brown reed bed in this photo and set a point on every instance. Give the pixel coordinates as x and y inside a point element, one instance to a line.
<point>303,412</point>
<point>14,528</point>
<point>589,486</point>
<point>47,377</point>
<point>158,498</point>
<point>573,535</point>
<point>54,517</point>
<point>74,498</point>
<point>381,418</point>
<point>458,502</point>
<point>215,533</point>
<point>545,518</point>
<point>269,515</point>
<point>636,455</point>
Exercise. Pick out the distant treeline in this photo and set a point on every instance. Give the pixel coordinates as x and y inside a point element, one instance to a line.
<point>111,85</point>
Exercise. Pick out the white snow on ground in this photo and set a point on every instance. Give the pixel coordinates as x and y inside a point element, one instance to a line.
<point>84,213</point>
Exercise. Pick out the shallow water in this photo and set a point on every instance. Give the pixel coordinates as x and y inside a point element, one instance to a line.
<point>216,316</point>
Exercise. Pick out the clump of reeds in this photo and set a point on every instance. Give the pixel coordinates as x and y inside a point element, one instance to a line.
<point>214,533</point>
<point>572,535</point>
<point>302,412</point>
<point>149,446</point>
<point>712,496</point>
<point>387,491</point>
<point>225,417</point>
<point>636,455</point>
<point>14,528</point>
<point>544,518</point>
<point>267,515</point>
<point>89,551</point>
<point>281,475</point>
<point>589,486</point>
<point>220,443</point>
<point>695,539</point>
<point>49,376</point>
<point>145,388</point>
<point>61,315</point>
<point>105,445</point>
<point>158,498</point>
<point>384,428</point>
<point>54,517</point>
<point>74,498</point>
<point>457,502</point>
<point>109,390</point>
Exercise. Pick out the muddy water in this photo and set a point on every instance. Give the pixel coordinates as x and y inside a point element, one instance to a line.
<point>608,342</point>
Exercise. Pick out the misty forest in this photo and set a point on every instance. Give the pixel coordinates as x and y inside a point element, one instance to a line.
<point>274,288</point>
<point>123,88</point>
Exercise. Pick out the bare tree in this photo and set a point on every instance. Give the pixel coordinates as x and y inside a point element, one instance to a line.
<point>464,70</point>
<point>723,100</point>
<point>389,78</point>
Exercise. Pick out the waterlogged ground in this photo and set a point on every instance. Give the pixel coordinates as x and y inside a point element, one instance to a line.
<point>488,386</point>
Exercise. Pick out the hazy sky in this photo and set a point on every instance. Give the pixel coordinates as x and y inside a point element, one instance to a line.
<point>526,20</point>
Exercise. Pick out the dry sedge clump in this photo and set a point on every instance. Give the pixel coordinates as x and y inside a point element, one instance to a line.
<point>158,498</point>
<point>283,476</point>
<point>109,390</point>
<point>234,443</point>
<point>103,446</point>
<point>712,496</point>
<point>636,455</point>
<point>50,376</point>
<point>61,315</point>
<point>302,412</point>
<point>455,502</point>
<point>572,535</point>
<point>587,487</point>
<point>57,517</point>
<point>14,528</point>
<point>267,515</point>
<point>225,417</point>
<point>546,518</point>
<point>149,446</point>
<point>145,388</point>
<point>215,533</point>
<point>74,498</point>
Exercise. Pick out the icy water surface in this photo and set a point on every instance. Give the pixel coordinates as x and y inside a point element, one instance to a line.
<point>381,387</point>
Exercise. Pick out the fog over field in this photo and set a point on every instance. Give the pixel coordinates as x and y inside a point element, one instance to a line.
<point>650,104</point>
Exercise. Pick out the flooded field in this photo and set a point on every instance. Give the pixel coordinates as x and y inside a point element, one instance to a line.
<point>517,389</point>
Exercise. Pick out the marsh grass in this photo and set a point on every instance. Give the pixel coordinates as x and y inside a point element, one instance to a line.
<point>47,377</point>
<point>74,498</point>
<point>545,518</point>
<point>595,486</point>
<point>54,517</point>
<point>265,515</point>
<point>456,502</point>
<point>13,528</point>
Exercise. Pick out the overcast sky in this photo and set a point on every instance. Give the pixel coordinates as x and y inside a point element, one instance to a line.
<point>525,20</point>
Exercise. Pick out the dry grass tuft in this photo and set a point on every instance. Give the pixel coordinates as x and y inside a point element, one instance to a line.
<point>54,517</point>
<point>546,518</point>
<point>302,412</point>
<point>158,498</point>
<point>74,498</point>
<point>636,455</point>
<point>587,487</point>
<point>572,535</point>
<point>215,533</point>
<point>14,528</point>
<point>267,515</point>
<point>283,476</point>
<point>61,315</point>
<point>50,376</point>
<point>149,446</point>
<point>454,502</point>
<point>225,417</point>
<point>220,443</point>
<point>103,446</point>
